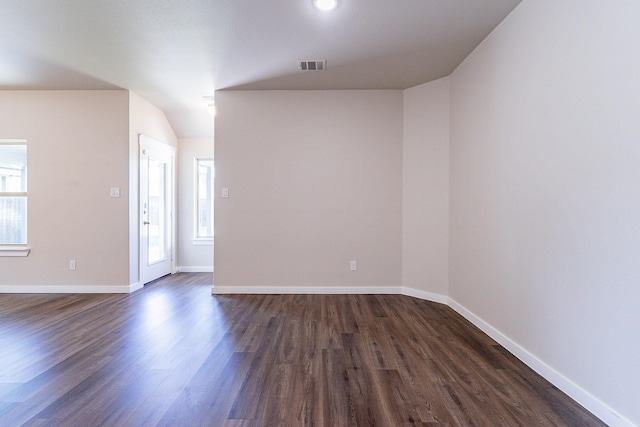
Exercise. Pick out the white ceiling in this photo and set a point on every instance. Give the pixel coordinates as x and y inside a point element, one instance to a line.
<point>173,53</point>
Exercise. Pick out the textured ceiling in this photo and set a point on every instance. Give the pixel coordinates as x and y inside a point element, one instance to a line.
<point>173,53</point>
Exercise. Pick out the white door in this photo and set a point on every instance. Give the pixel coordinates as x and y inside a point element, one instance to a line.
<point>156,209</point>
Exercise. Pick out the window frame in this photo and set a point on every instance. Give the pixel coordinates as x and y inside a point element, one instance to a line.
<point>199,239</point>
<point>13,249</point>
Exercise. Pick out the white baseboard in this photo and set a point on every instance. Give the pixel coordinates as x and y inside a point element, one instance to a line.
<point>203,269</point>
<point>101,289</point>
<point>584,398</point>
<point>324,290</point>
<point>577,393</point>
<point>288,290</point>
<point>429,296</point>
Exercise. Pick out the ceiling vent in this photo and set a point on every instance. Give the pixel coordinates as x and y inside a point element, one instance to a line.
<point>312,64</point>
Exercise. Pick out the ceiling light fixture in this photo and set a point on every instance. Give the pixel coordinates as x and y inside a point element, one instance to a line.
<point>325,5</point>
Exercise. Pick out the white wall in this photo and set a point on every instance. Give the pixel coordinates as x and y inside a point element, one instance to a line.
<point>545,193</point>
<point>193,256</point>
<point>77,150</point>
<point>80,145</point>
<point>425,187</point>
<point>315,180</point>
<point>146,119</point>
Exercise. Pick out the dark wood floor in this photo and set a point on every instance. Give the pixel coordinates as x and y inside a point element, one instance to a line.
<point>173,354</point>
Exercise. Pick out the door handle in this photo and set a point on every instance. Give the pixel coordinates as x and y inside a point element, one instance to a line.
<point>146,223</point>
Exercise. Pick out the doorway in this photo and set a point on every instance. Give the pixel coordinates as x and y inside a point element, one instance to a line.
<point>156,207</point>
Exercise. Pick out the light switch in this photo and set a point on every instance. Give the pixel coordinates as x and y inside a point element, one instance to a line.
<point>225,193</point>
<point>115,192</point>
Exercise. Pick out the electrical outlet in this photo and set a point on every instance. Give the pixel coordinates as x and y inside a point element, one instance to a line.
<point>72,264</point>
<point>353,265</point>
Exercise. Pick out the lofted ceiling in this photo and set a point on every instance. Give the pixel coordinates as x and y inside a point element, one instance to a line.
<point>173,53</point>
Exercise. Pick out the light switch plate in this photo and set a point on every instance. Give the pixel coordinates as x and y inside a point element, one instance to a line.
<point>115,192</point>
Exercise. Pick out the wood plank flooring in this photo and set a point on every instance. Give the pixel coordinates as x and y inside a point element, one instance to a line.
<point>172,354</point>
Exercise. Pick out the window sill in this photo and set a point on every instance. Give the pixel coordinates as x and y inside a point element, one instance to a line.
<point>202,241</point>
<point>18,250</point>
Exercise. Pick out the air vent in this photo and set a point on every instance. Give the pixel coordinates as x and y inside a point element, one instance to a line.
<point>312,64</point>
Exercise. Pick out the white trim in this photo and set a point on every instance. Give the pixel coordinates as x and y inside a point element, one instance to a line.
<point>16,250</point>
<point>10,250</point>
<point>38,289</point>
<point>151,143</point>
<point>415,293</point>
<point>329,290</point>
<point>428,296</point>
<point>196,269</point>
<point>573,390</point>
<point>163,149</point>
<point>577,393</point>
<point>202,241</point>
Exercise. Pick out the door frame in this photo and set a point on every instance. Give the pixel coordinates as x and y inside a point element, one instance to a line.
<point>147,143</point>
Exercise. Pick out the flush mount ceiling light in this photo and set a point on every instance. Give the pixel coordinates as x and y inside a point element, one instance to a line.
<point>325,5</point>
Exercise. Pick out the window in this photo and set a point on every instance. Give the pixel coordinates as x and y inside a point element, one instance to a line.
<point>13,196</point>
<point>204,199</point>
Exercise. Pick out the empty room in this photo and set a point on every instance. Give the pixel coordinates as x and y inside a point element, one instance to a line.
<point>301,212</point>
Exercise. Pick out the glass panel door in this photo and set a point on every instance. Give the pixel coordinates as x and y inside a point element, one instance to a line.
<point>156,206</point>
